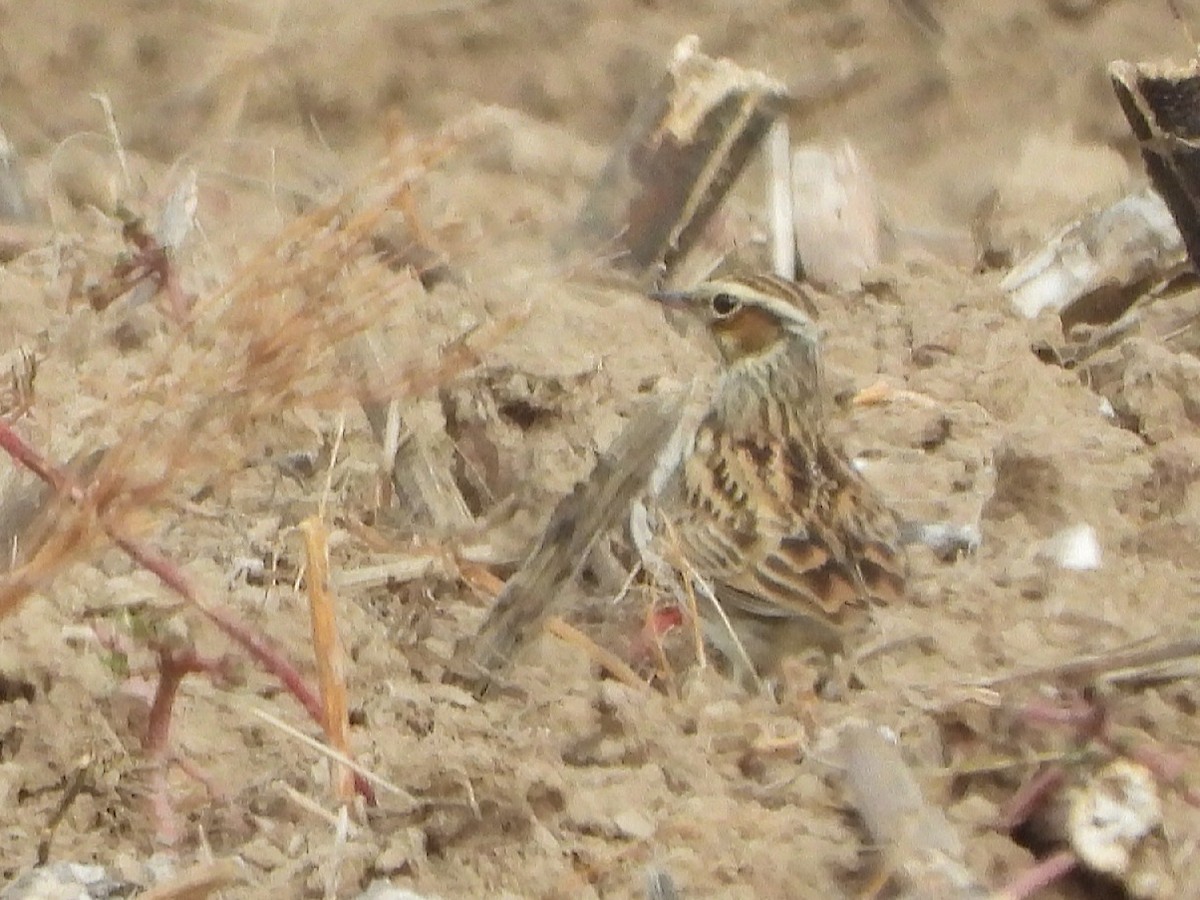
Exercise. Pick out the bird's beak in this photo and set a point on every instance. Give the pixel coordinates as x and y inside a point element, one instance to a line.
<point>672,299</point>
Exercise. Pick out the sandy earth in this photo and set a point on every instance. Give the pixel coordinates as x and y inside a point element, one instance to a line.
<point>999,124</point>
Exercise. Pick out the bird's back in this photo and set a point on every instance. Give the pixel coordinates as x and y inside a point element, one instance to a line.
<point>778,518</point>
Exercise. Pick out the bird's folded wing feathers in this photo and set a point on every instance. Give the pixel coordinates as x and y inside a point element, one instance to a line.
<point>787,543</point>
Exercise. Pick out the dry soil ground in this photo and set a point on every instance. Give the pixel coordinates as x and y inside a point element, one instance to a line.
<point>567,785</point>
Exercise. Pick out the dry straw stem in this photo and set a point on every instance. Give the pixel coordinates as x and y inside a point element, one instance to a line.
<point>689,586</point>
<point>199,881</point>
<point>606,659</point>
<point>361,772</point>
<point>331,668</point>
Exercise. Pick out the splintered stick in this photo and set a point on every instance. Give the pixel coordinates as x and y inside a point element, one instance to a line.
<point>331,669</point>
<point>688,141</point>
<point>594,506</point>
<point>779,201</point>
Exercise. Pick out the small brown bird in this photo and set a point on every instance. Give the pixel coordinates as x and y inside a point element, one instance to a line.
<point>792,541</point>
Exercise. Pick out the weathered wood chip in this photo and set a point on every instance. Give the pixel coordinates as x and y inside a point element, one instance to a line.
<point>686,144</point>
<point>596,505</point>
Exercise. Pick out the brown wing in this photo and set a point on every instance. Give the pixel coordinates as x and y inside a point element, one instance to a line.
<point>790,527</point>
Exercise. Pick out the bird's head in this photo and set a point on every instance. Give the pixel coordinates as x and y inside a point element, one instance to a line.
<point>751,318</point>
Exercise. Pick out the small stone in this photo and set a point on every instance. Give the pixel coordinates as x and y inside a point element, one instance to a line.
<point>263,855</point>
<point>381,890</point>
<point>403,854</point>
<point>65,881</point>
<point>631,823</point>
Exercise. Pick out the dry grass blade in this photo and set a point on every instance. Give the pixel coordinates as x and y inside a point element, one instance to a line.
<point>607,660</point>
<point>360,770</point>
<point>198,882</point>
<point>690,580</point>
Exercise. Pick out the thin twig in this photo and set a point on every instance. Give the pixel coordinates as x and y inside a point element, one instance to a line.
<point>325,750</point>
<point>606,659</point>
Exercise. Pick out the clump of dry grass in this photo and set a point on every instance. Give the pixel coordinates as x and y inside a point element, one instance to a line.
<point>265,343</point>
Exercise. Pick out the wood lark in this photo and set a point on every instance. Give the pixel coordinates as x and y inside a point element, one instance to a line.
<point>793,543</point>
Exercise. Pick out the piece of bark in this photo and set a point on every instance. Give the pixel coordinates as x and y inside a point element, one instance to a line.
<point>1096,267</point>
<point>1162,103</point>
<point>917,841</point>
<point>836,215</point>
<point>595,505</point>
<point>687,142</point>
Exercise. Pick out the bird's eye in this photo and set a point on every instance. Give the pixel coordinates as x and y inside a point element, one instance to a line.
<point>724,304</point>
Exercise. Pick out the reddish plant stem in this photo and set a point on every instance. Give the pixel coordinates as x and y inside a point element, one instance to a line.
<point>16,447</point>
<point>174,665</point>
<point>172,669</point>
<point>1039,876</point>
<point>1092,723</point>
<point>255,645</point>
<point>162,810</point>
<point>1087,718</point>
<point>1030,795</point>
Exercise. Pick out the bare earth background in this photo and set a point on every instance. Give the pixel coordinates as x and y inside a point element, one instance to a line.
<point>570,786</point>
